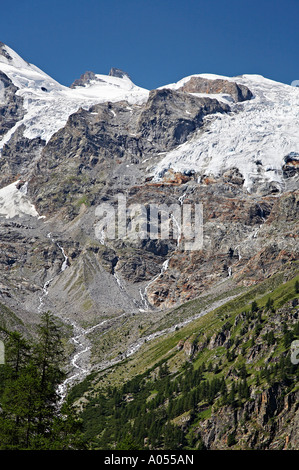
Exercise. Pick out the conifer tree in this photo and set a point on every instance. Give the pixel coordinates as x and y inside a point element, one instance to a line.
<point>30,415</point>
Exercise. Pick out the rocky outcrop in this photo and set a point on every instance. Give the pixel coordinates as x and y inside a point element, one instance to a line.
<point>205,85</point>
<point>11,105</point>
<point>98,145</point>
<point>114,72</point>
<point>85,79</point>
<point>88,77</point>
<point>19,156</point>
<point>169,117</point>
<point>4,52</point>
<point>291,165</point>
<point>268,420</point>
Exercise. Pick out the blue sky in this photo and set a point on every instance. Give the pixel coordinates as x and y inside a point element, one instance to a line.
<point>155,41</point>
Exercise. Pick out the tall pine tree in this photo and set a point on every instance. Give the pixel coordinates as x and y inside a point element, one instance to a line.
<point>30,415</point>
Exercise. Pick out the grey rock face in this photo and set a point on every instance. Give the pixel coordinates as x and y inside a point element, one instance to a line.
<point>11,105</point>
<point>114,72</point>
<point>84,79</point>
<point>80,158</point>
<point>19,156</point>
<point>291,165</point>
<point>169,117</point>
<point>4,52</point>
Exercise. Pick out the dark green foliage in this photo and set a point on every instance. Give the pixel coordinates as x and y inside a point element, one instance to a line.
<point>163,371</point>
<point>270,304</point>
<point>231,439</point>
<point>133,410</point>
<point>164,410</point>
<point>269,338</point>
<point>30,417</point>
<point>288,338</point>
<point>127,443</point>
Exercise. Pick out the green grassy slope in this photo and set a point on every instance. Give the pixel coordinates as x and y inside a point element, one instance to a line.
<point>224,380</point>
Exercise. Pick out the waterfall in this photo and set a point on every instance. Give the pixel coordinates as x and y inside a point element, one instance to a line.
<point>164,268</point>
<point>118,281</point>
<point>182,197</point>
<point>45,293</point>
<point>261,212</point>
<point>239,253</point>
<point>65,263</point>
<point>178,228</point>
<point>143,294</point>
<point>143,300</point>
<point>63,268</point>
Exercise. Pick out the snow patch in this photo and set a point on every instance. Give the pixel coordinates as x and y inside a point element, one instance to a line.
<point>15,203</point>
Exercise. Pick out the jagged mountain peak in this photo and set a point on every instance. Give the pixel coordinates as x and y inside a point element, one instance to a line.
<point>95,82</point>
<point>84,79</point>
<point>114,72</point>
<point>4,53</point>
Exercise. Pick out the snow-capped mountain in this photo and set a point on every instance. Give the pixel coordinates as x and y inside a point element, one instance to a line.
<point>258,136</point>
<point>229,143</point>
<point>48,104</point>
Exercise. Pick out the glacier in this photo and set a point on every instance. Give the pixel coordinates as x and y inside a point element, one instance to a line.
<point>255,137</point>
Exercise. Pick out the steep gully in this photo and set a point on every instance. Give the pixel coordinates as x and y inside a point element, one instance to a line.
<point>164,268</point>
<point>79,366</point>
